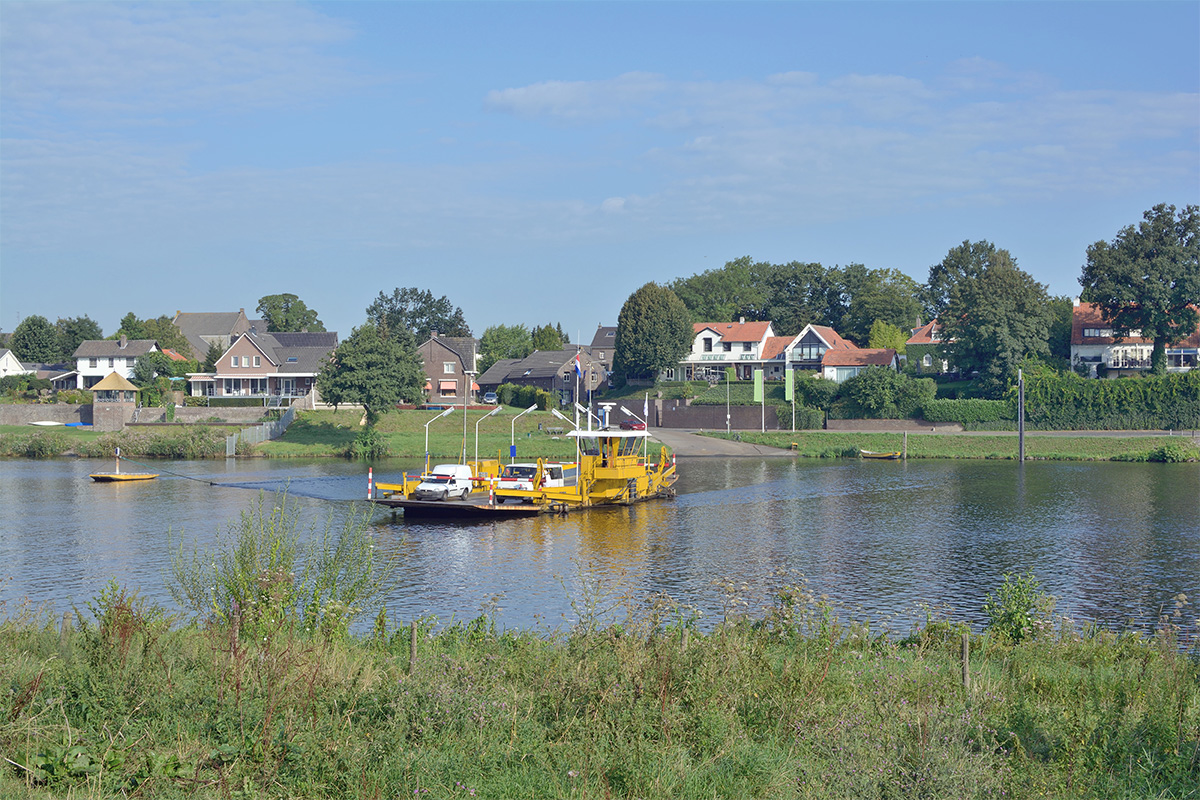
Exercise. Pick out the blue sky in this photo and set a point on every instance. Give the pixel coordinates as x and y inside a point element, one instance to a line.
<point>538,162</point>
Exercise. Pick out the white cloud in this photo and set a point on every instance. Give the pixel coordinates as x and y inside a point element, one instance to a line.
<point>579,100</point>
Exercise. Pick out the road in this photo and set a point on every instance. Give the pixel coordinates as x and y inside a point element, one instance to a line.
<point>686,443</point>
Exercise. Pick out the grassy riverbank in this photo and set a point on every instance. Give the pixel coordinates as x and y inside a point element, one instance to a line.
<point>1049,447</point>
<point>788,704</point>
<point>176,441</point>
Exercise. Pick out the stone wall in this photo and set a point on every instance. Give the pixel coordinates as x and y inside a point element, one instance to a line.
<point>22,414</point>
<point>674,414</point>
<point>892,425</point>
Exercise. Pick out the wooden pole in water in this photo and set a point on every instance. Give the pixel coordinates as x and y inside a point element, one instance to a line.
<point>1020,416</point>
<point>905,454</point>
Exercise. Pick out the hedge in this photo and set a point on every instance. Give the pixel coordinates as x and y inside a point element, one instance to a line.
<point>967,411</point>
<point>1068,402</point>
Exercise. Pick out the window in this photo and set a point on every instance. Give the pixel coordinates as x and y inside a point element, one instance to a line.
<point>727,346</point>
<point>92,363</point>
<point>292,359</point>
<point>746,347</point>
<point>448,388</point>
<point>448,367</point>
<point>233,362</point>
<point>810,352</point>
<point>111,362</point>
<point>257,361</point>
<point>601,355</point>
<point>707,345</point>
<point>927,361</point>
<point>245,361</point>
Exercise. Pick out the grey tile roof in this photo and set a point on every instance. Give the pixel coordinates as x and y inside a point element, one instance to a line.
<point>111,348</point>
<point>496,373</point>
<point>604,338</point>
<point>539,364</point>
<point>309,349</point>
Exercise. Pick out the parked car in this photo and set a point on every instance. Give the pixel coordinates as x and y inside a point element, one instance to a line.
<point>490,398</point>
<point>632,425</point>
<point>445,481</point>
<point>524,476</point>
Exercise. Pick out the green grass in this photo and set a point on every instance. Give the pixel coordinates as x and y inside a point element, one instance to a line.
<point>838,444</point>
<point>792,703</point>
<point>329,433</point>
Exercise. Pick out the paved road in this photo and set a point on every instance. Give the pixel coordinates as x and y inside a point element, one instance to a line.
<point>686,443</point>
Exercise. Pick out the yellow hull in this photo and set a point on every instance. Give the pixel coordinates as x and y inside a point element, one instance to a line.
<point>114,477</point>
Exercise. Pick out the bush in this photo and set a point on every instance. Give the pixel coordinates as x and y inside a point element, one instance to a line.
<point>880,393</point>
<point>368,445</point>
<point>1019,609</point>
<point>967,411</point>
<point>511,394</point>
<point>807,419</point>
<point>1068,402</point>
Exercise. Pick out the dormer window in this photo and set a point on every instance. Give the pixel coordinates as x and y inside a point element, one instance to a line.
<point>707,345</point>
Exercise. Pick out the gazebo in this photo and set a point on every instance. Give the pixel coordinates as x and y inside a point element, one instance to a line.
<point>114,399</point>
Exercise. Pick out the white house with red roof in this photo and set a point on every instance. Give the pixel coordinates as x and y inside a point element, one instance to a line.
<point>717,345</point>
<point>1093,342</point>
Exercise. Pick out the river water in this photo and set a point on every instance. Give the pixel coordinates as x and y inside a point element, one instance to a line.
<point>883,540</point>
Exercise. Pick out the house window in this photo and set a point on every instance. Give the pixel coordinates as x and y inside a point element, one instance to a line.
<point>601,355</point>
<point>257,361</point>
<point>707,345</point>
<point>92,363</point>
<point>233,362</point>
<point>810,352</point>
<point>111,362</point>
<point>448,367</point>
<point>927,361</point>
<point>448,388</point>
<point>727,346</point>
<point>745,347</point>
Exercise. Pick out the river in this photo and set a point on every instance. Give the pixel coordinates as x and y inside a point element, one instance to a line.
<point>1115,543</point>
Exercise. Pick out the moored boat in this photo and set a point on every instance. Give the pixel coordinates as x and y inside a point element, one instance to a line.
<point>118,476</point>
<point>893,456</point>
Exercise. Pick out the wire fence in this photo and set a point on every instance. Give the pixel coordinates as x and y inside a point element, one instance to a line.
<point>260,433</point>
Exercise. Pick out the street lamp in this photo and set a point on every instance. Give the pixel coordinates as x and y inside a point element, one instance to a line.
<point>449,410</point>
<point>491,413</point>
<point>590,416</point>
<point>559,414</point>
<point>466,396</point>
<point>512,440</point>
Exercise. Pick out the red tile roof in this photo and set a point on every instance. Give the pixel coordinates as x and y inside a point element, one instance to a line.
<point>735,331</point>
<point>833,338</point>
<point>879,357</point>
<point>1088,315</point>
<point>926,333</point>
<point>774,346</point>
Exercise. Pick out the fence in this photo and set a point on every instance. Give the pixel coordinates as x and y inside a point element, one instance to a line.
<point>260,433</point>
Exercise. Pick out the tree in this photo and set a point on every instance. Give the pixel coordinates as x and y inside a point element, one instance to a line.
<point>878,294</point>
<point>72,331</point>
<point>372,370</point>
<point>654,331</point>
<point>805,294</point>
<point>741,288</point>
<point>131,327</point>
<point>418,312</point>
<point>547,337</point>
<point>1148,278</point>
<point>995,318</point>
<point>1062,312</point>
<point>212,357</point>
<point>968,258</point>
<point>885,334</point>
<point>150,366</point>
<point>503,341</point>
<point>162,330</point>
<point>36,340</point>
<point>287,312</point>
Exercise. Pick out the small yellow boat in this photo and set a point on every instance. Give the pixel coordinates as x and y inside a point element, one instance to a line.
<point>114,477</point>
<point>894,456</point>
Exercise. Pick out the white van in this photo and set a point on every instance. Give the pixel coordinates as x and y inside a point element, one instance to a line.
<point>445,481</point>
<point>523,476</point>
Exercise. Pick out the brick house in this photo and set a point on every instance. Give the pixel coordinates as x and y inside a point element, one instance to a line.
<point>923,350</point>
<point>449,362</point>
<point>278,367</point>
<point>203,329</point>
<point>552,370</point>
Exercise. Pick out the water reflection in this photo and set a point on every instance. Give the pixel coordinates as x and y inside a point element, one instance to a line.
<point>1115,542</point>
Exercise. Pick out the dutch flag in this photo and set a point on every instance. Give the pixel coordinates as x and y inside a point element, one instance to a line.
<point>578,368</point>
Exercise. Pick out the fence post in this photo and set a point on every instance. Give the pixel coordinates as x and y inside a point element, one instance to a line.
<point>412,646</point>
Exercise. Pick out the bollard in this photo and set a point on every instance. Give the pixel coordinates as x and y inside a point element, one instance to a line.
<point>370,482</point>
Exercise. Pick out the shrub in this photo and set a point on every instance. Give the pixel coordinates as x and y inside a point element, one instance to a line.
<point>807,419</point>
<point>967,411</point>
<point>1019,609</point>
<point>368,445</point>
<point>1175,453</point>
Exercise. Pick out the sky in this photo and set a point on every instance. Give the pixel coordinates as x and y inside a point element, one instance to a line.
<point>539,162</point>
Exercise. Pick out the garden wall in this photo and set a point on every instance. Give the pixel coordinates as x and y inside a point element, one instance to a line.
<point>23,414</point>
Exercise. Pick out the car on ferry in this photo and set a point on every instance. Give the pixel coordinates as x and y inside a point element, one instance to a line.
<point>524,477</point>
<point>445,481</point>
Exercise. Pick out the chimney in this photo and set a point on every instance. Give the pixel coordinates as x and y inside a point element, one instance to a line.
<point>741,320</point>
<point>433,334</point>
<point>124,341</point>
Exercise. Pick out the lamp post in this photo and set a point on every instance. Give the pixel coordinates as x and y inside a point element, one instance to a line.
<point>564,418</point>
<point>491,413</point>
<point>512,439</point>
<point>449,410</point>
<point>469,375</point>
<point>590,415</point>
<point>646,439</point>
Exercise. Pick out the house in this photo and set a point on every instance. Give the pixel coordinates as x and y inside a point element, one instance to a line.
<point>449,362</point>
<point>552,370</point>
<point>9,365</point>
<point>808,348</point>
<point>96,358</point>
<point>114,403</point>
<point>717,345</point>
<point>603,345</point>
<point>923,350</point>
<point>279,367</point>
<point>204,329</point>
<point>1093,344</point>
<point>842,364</point>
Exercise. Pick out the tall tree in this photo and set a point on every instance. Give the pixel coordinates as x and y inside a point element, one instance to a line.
<point>994,319</point>
<point>74,330</point>
<point>373,371</point>
<point>35,339</point>
<point>805,294</point>
<point>130,327</point>
<point>149,366</point>
<point>162,330</point>
<point>212,357</point>
<point>1062,312</point>
<point>967,259</point>
<point>741,288</point>
<point>418,312</point>
<point>878,294</point>
<point>503,341</point>
<point>547,337</point>
<point>287,312</point>
<point>1148,278</point>
<point>887,335</point>
<point>654,331</point>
